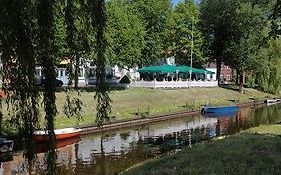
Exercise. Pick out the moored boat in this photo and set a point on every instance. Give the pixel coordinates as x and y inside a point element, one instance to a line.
<point>6,145</point>
<point>223,114</point>
<point>42,147</point>
<point>60,134</point>
<point>219,110</point>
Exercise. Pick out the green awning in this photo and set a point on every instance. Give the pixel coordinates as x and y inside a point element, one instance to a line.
<point>166,68</point>
<point>184,69</point>
<point>210,72</point>
<point>204,71</point>
<point>159,69</point>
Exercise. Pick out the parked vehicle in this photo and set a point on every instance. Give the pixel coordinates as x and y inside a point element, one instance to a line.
<point>41,81</point>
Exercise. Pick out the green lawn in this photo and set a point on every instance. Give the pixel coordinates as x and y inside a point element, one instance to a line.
<point>126,103</point>
<point>243,153</point>
<point>266,129</point>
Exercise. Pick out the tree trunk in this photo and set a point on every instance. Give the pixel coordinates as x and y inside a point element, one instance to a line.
<point>241,82</point>
<point>237,78</point>
<point>76,70</point>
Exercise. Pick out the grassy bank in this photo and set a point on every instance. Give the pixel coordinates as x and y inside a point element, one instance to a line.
<point>244,153</point>
<point>133,101</point>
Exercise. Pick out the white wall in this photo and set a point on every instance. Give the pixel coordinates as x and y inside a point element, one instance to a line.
<point>214,76</point>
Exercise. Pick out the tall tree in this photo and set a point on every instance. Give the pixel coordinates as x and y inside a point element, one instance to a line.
<point>125,33</point>
<point>155,14</point>
<point>236,30</point>
<point>267,73</point>
<point>184,27</point>
<point>249,33</point>
<point>216,19</point>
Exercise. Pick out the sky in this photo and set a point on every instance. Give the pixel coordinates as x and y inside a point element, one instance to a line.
<point>177,1</point>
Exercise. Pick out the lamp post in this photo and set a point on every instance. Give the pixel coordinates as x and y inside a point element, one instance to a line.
<point>191,50</point>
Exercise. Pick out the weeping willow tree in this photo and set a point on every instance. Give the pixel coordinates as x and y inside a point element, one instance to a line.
<point>78,37</point>
<point>98,14</point>
<point>71,11</point>
<point>45,18</point>
<point>276,20</point>
<point>267,75</point>
<point>18,58</point>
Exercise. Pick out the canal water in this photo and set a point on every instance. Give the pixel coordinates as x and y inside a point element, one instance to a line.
<point>115,151</point>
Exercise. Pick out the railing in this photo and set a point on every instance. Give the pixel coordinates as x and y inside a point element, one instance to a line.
<point>173,84</point>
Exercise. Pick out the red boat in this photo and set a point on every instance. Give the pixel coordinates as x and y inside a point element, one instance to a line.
<point>42,136</point>
<point>42,147</point>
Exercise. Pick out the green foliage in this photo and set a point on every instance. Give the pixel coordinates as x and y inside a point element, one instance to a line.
<point>268,73</point>
<point>216,25</point>
<point>98,16</point>
<point>248,33</point>
<point>17,19</point>
<point>236,31</point>
<point>155,14</point>
<point>125,33</point>
<point>73,105</point>
<point>60,44</point>
<point>182,23</point>
<point>276,20</point>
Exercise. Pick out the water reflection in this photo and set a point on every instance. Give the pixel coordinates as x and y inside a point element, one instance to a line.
<point>112,152</point>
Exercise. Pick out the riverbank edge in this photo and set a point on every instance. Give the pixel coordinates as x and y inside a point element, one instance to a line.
<point>259,132</point>
<point>138,121</point>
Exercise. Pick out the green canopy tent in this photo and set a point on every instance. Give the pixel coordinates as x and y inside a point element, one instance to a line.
<point>166,68</point>
<point>204,71</point>
<point>184,69</point>
<point>159,69</point>
<point>187,69</point>
<point>210,72</point>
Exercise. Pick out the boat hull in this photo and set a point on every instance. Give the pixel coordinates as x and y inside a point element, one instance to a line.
<point>42,136</point>
<point>42,147</point>
<point>220,110</point>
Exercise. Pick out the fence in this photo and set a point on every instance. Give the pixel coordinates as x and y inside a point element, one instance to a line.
<point>173,84</point>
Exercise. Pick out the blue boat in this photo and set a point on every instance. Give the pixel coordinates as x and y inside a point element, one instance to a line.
<point>219,111</point>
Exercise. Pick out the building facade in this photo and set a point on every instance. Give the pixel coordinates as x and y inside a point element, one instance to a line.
<point>226,72</point>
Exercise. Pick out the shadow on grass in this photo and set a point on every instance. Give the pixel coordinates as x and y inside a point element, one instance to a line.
<point>242,153</point>
<point>232,87</point>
